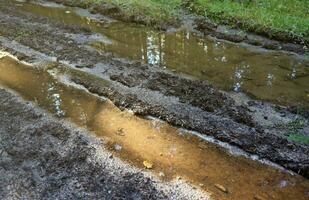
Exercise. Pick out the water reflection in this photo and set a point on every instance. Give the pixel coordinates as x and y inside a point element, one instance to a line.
<point>171,152</point>
<point>228,66</point>
<point>238,79</point>
<point>265,75</point>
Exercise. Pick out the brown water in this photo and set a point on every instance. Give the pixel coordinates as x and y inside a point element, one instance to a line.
<point>273,76</point>
<point>173,152</point>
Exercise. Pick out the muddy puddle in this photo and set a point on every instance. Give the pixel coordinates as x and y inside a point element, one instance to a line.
<point>167,151</point>
<point>268,75</point>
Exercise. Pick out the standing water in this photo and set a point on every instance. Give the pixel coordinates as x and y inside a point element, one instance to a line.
<point>167,151</point>
<point>268,75</point>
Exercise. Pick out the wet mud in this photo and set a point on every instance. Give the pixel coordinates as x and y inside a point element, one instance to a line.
<point>267,39</point>
<point>149,89</point>
<point>275,76</point>
<point>169,152</point>
<point>44,158</point>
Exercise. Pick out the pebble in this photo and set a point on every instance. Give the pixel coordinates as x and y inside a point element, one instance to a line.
<point>222,188</point>
<point>118,147</point>
<point>283,184</point>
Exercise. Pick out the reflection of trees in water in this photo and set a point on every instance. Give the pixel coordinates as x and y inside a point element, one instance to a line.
<point>266,75</point>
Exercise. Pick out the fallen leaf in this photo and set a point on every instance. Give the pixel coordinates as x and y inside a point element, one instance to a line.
<point>148,165</point>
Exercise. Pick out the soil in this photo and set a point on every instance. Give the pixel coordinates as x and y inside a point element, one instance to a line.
<point>44,158</point>
<point>149,90</point>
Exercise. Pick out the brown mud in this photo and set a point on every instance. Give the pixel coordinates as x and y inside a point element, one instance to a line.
<point>45,158</point>
<point>150,90</point>
<point>171,153</point>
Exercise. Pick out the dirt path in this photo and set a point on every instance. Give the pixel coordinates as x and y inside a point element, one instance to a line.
<point>153,91</point>
<point>147,91</point>
<point>44,158</point>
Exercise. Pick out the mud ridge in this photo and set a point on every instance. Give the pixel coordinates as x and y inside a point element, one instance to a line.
<point>148,90</point>
<point>44,158</point>
<point>265,145</point>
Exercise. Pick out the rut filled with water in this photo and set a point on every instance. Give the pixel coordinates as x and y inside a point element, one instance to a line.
<point>152,144</point>
<point>268,75</point>
<point>149,143</point>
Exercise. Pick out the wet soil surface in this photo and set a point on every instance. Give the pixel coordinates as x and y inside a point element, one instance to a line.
<point>149,143</point>
<point>275,76</point>
<point>44,158</point>
<point>150,90</point>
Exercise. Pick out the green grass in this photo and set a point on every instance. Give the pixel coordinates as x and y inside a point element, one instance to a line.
<point>293,131</point>
<point>156,11</point>
<point>289,17</point>
<point>299,138</point>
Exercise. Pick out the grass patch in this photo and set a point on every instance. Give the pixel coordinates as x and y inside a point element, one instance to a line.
<point>152,10</point>
<point>289,16</point>
<point>299,138</point>
<point>293,131</point>
<point>273,17</point>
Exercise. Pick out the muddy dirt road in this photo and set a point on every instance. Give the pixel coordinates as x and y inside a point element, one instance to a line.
<point>44,158</point>
<point>153,103</point>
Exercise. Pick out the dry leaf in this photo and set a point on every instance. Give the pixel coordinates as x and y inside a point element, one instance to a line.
<point>147,165</point>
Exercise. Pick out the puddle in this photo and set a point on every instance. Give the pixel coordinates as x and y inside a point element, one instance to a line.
<point>267,75</point>
<point>170,152</point>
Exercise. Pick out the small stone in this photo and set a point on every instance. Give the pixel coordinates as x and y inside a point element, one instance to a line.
<point>222,188</point>
<point>67,12</point>
<point>161,154</point>
<point>283,184</point>
<point>161,174</point>
<point>111,156</point>
<point>148,165</point>
<point>118,147</point>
